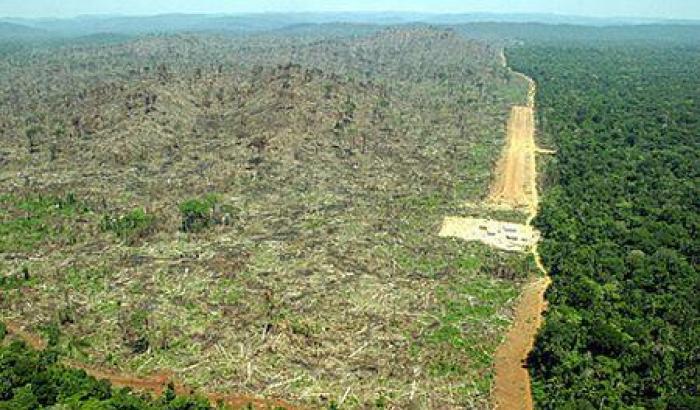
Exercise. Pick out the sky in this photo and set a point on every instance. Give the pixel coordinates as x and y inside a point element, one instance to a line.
<point>674,9</point>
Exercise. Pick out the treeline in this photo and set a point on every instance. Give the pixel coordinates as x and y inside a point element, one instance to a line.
<point>620,228</point>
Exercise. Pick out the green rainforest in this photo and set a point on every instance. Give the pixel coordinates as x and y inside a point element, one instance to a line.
<point>620,222</point>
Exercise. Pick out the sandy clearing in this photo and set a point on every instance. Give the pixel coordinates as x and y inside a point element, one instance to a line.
<point>502,235</point>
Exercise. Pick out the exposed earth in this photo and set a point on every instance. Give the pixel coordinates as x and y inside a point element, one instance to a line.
<point>502,235</point>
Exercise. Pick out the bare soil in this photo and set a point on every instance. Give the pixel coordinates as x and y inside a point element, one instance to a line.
<point>502,235</point>
<point>513,187</point>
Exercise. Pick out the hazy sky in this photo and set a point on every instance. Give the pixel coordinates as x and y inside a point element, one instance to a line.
<point>682,9</point>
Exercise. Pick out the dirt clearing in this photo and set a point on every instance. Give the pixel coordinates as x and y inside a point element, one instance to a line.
<point>502,235</point>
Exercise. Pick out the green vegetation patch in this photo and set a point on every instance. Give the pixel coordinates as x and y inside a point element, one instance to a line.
<point>460,334</point>
<point>27,221</point>
<point>130,226</point>
<point>197,213</point>
<point>16,280</point>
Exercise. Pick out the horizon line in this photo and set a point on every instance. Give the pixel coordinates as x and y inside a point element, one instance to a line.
<point>368,12</point>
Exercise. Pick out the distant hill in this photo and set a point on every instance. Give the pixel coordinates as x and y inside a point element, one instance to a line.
<point>167,23</point>
<point>568,32</point>
<point>480,25</point>
<point>557,19</point>
<point>246,23</point>
<point>15,31</point>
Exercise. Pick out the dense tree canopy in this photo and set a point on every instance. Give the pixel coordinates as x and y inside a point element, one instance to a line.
<point>620,227</point>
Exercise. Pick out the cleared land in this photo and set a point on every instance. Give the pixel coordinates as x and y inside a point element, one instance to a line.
<point>258,217</point>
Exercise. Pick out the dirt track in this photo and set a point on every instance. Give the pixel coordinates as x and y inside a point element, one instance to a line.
<point>512,383</point>
<point>516,185</point>
<point>36,342</point>
<point>513,187</point>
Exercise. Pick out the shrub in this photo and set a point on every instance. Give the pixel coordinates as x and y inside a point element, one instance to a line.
<point>129,227</point>
<point>43,205</point>
<point>197,213</point>
<point>33,219</point>
<point>15,281</point>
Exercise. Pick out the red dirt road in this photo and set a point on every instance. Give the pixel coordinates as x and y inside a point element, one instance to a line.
<point>512,381</point>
